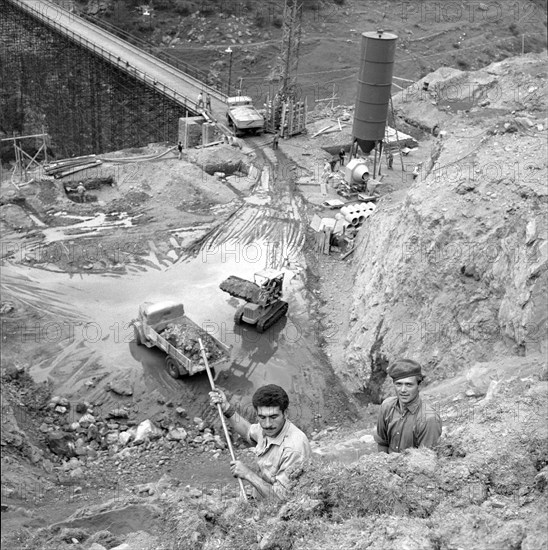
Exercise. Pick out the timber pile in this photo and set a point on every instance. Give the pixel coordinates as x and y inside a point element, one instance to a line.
<point>65,167</point>
<point>241,288</point>
<point>184,336</point>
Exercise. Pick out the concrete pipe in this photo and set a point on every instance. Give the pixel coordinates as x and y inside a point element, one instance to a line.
<point>348,210</point>
<point>361,217</point>
<point>353,219</point>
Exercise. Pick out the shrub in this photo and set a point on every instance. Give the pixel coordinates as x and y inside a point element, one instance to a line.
<point>164,4</point>
<point>277,21</point>
<point>261,19</point>
<point>184,8</point>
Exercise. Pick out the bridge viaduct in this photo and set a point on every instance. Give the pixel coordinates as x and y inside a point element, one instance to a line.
<point>112,93</point>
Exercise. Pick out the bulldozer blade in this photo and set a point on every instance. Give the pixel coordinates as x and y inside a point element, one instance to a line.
<point>241,288</point>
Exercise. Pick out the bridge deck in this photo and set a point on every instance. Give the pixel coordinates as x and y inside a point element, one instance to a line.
<point>166,79</point>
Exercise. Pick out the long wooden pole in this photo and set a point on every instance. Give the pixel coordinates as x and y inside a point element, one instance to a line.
<point>221,416</point>
<point>397,135</point>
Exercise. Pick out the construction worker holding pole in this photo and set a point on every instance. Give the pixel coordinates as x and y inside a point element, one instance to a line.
<point>223,422</point>
<point>282,450</point>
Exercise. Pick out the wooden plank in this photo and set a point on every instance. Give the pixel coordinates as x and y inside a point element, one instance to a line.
<point>320,131</point>
<point>348,253</point>
<point>327,240</point>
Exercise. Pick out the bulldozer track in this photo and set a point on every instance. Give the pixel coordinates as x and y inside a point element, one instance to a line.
<point>266,324</point>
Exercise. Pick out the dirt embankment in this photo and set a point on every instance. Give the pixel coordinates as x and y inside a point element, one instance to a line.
<point>485,487</point>
<point>455,272</point>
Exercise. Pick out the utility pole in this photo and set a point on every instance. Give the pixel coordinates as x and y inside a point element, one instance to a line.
<point>229,52</point>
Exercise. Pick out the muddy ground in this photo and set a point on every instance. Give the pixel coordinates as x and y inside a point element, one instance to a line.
<point>74,275</point>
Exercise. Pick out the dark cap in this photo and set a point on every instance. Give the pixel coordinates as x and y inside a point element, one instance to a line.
<point>404,368</point>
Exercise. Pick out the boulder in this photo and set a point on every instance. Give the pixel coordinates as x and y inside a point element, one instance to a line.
<point>118,413</point>
<point>111,438</point>
<point>124,438</point>
<point>81,408</point>
<point>177,434</point>
<point>121,386</point>
<point>60,443</point>
<point>72,464</point>
<point>34,454</point>
<point>77,473</point>
<point>147,431</point>
<point>64,402</point>
<point>86,420</point>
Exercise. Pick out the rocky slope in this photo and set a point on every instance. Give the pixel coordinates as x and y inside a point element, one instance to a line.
<point>484,488</point>
<point>454,271</point>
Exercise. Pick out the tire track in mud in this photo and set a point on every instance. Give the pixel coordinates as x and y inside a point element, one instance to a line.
<point>278,226</point>
<point>272,228</point>
<point>57,327</point>
<point>33,295</point>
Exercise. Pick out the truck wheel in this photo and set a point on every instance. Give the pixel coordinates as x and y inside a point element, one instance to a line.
<point>172,367</point>
<point>238,316</point>
<point>137,336</point>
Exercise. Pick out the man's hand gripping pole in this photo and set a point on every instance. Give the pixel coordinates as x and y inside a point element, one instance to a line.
<point>221,415</point>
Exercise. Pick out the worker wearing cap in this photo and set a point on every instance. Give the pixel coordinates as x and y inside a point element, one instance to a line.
<point>282,450</point>
<point>81,190</point>
<point>405,421</point>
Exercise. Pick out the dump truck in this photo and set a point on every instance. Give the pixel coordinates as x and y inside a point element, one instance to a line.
<point>242,117</point>
<point>263,306</point>
<point>164,325</point>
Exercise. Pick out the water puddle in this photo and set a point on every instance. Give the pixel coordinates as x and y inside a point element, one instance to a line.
<point>98,310</point>
<point>87,226</point>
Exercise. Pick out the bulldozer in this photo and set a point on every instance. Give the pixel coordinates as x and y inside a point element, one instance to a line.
<point>263,306</point>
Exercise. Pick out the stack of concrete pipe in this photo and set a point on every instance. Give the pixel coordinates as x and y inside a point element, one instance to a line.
<point>356,214</point>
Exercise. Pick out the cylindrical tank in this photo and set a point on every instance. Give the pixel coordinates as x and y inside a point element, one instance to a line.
<point>374,85</point>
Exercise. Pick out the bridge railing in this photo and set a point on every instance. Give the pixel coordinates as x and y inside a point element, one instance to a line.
<point>153,50</point>
<point>41,15</point>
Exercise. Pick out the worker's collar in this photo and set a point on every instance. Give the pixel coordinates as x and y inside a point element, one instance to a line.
<point>412,406</point>
<point>280,437</point>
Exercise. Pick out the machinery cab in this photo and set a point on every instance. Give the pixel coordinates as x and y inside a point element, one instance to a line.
<point>239,101</point>
<point>270,281</point>
<point>263,305</point>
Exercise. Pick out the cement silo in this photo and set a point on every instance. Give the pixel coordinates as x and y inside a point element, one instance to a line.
<point>374,88</point>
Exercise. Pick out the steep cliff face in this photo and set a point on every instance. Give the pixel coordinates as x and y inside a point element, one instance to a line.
<point>455,271</point>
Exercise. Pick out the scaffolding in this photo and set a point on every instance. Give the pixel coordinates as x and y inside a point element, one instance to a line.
<point>86,104</point>
<point>284,112</point>
<point>23,161</point>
